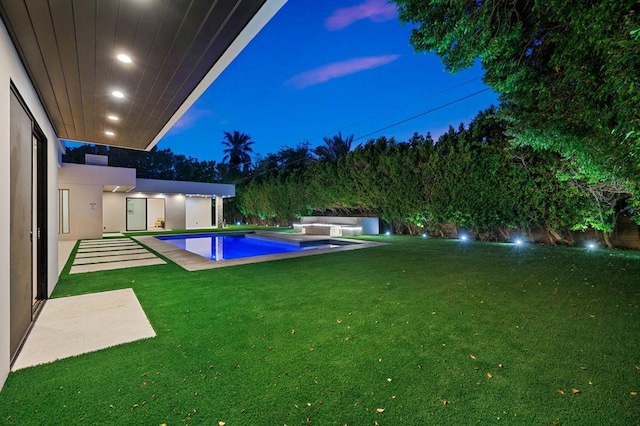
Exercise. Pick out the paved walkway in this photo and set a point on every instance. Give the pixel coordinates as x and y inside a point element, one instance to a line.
<point>115,253</point>
<point>71,326</point>
<point>75,325</point>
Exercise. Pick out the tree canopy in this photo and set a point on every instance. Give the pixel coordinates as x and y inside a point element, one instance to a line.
<point>567,72</point>
<point>239,150</point>
<point>472,177</point>
<point>334,147</point>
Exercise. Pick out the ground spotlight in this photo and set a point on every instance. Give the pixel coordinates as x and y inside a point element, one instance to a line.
<point>424,235</point>
<point>518,242</point>
<point>464,237</point>
<point>591,246</point>
<point>387,233</point>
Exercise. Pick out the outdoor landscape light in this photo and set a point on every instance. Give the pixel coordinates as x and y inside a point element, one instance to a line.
<point>591,246</point>
<point>387,233</point>
<point>424,235</point>
<point>518,242</point>
<point>463,237</point>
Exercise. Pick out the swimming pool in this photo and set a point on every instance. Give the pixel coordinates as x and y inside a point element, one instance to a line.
<point>227,247</point>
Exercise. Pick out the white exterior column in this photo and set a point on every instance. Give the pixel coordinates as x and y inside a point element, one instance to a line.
<point>219,211</point>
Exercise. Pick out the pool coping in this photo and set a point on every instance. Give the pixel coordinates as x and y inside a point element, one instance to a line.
<point>193,262</point>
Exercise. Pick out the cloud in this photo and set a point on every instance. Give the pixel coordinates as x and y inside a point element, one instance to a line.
<point>188,120</point>
<point>375,10</point>
<point>338,69</point>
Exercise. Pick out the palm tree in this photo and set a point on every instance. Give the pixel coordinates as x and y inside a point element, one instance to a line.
<point>239,150</point>
<point>334,148</point>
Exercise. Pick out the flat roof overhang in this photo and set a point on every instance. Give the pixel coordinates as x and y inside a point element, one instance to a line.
<point>160,186</point>
<point>177,47</point>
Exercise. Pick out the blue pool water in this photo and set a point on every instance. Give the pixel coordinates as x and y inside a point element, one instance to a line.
<point>226,247</point>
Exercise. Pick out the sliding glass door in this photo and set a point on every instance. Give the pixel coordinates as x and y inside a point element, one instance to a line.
<point>136,214</point>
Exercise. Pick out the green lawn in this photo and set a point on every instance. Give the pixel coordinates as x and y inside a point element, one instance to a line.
<point>422,330</point>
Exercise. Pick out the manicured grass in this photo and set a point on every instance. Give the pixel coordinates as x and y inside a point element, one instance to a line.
<point>425,330</point>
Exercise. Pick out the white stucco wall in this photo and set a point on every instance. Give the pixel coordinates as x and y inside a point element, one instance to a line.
<point>198,212</point>
<point>114,211</point>
<point>175,216</point>
<point>85,211</point>
<point>11,70</point>
<point>86,184</point>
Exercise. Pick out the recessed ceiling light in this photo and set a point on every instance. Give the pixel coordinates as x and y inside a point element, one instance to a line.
<point>124,58</point>
<point>117,94</point>
<point>113,117</point>
<point>109,133</point>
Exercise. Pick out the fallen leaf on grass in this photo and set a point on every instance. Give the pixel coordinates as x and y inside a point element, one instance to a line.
<point>500,365</point>
<point>221,423</point>
<point>379,410</point>
<point>293,332</point>
<point>634,393</point>
<point>444,401</point>
<point>473,357</point>
<point>560,392</point>
<point>574,390</point>
<point>489,375</point>
<point>638,367</point>
<point>339,321</point>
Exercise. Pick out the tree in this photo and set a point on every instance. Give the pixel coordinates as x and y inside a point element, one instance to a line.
<point>334,147</point>
<point>567,72</point>
<point>239,150</point>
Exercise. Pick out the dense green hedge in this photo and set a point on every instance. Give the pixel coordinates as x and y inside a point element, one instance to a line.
<point>472,178</point>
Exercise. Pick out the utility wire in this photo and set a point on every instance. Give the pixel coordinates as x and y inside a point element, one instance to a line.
<point>397,123</point>
<point>431,95</point>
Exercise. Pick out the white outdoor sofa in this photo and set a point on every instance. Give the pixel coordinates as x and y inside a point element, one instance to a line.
<point>336,226</point>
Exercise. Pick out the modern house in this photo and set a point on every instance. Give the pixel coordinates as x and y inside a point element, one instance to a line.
<point>94,199</point>
<point>112,72</point>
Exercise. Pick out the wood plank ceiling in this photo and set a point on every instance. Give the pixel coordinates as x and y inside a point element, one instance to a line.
<point>69,50</point>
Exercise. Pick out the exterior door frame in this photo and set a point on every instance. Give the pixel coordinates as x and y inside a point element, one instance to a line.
<point>21,320</point>
<point>41,209</point>
<point>146,225</point>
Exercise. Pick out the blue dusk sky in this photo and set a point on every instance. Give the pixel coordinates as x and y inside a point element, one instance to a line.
<point>323,67</point>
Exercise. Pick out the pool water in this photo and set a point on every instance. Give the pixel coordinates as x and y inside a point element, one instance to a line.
<point>227,247</point>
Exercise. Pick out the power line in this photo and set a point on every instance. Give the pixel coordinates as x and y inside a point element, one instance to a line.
<point>377,131</point>
<point>421,114</point>
<point>431,95</point>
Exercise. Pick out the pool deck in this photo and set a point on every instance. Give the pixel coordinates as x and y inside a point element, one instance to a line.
<point>193,262</point>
